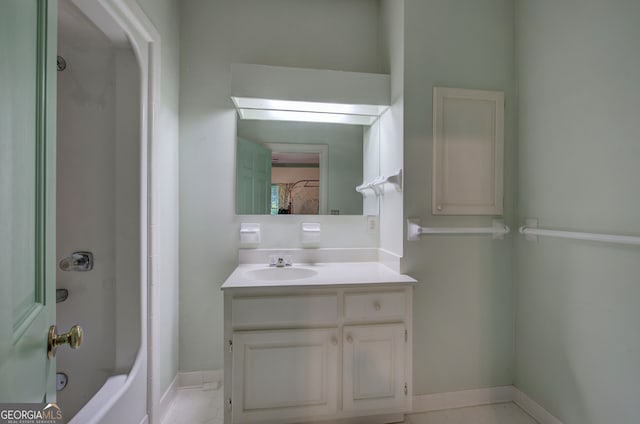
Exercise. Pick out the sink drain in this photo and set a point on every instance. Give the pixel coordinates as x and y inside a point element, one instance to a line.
<point>61,381</point>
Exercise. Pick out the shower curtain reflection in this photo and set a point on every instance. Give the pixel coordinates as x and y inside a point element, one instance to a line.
<point>299,198</point>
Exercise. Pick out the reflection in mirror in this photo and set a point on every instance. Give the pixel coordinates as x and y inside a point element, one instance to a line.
<point>298,179</point>
<point>299,168</point>
<point>295,183</point>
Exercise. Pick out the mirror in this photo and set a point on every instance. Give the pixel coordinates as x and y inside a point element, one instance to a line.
<point>303,168</point>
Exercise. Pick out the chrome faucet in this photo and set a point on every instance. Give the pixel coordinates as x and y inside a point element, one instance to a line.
<point>280,261</point>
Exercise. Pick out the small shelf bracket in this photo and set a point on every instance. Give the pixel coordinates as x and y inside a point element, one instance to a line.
<point>376,185</point>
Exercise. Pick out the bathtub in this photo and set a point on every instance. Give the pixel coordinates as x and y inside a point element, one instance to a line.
<point>120,400</point>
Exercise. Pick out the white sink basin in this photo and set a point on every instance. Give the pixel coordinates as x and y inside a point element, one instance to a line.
<point>281,274</point>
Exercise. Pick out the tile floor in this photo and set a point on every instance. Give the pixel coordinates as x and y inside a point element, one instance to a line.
<point>204,405</point>
<point>500,413</point>
<point>197,405</point>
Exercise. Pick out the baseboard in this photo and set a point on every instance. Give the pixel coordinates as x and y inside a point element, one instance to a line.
<point>421,403</point>
<point>187,380</point>
<point>476,397</point>
<point>461,399</point>
<point>532,408</point>
<point>196,379</point>
<point>167,399</point>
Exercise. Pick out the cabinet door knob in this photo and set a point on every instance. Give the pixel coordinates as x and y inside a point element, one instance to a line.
<point>334,340</point>
<point>377,306</point>
<point>349,338</point>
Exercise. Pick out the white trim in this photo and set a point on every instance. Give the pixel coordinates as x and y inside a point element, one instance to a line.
<point>461,399</point>
<point>145,41</point>
<point>485,396</point>
<point>194,379</point>
<point>421,403</point>
<point>532,408</point>
<point>167,400</point>
<point>186,380</point>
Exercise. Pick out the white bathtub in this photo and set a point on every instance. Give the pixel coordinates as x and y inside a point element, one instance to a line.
<point>121,400</point>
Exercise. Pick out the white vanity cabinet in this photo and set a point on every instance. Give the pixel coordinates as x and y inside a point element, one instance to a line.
<point>284,374</point>
<point>373,373</point>
<point>330,354</point>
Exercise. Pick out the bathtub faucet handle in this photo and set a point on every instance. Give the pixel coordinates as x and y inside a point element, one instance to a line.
<point>77,261</point>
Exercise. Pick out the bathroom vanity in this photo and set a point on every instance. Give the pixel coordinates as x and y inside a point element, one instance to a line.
<point>317,343</point>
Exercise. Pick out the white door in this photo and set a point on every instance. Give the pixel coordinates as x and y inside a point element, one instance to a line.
<point>27,198</point>
<point>287,374</point>
<point>374,368</point>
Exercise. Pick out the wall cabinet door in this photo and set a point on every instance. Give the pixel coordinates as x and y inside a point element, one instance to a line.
<point>468,144</point>
<point>374,368</point>
<point>283,375</point>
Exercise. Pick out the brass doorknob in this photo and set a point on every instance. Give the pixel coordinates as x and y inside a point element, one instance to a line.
<point>73,338</point>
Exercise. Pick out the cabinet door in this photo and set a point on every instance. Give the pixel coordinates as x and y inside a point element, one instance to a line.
<point>468,144</point>
<point>283,375</point>
<point>374,368</point>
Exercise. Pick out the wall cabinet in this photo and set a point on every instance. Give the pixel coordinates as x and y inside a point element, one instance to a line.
<point>468,140</point>
<point>336,354</point>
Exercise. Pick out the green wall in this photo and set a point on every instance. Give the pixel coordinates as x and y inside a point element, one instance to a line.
<point>577,338</point>
<point>463,306</point>
<point>558,318</point>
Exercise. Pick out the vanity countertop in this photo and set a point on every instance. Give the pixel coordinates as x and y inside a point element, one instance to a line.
<point>314,275</point>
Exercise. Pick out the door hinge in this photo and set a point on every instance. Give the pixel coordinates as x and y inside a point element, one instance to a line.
<point>406,389</point>
<point>230,345</point>
<point>229,404</point>
<point>406,335</point>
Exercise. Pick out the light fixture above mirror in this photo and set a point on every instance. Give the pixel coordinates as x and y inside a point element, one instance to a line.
<point>308,95</point>
<point>297,111</point>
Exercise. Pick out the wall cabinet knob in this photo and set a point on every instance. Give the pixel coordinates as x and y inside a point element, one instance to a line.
<point>377,306</point>
<point>349,338</point>
<point>334,340</point>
